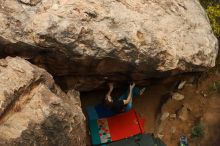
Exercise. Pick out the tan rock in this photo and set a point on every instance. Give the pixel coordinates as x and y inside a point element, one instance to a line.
<point>173,130</point>
<point>160,129</point>
<point>122,39</point>
<point>183,114</point>
<point>160,136</point>
<point>164,116</point>
<point>34,110</point>
<point>173,116</point>
<point>181,85</point>
<point>178,96</point>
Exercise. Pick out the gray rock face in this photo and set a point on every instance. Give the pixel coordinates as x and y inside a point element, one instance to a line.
<point>34,111</point>
<point>115,39</point>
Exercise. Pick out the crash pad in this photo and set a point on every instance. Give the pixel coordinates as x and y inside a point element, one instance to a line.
<point>121,126</point>
<point>139,140</point>
<point>99,111</point>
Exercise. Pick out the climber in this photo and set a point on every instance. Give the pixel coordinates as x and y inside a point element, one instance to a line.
<point>124,102</point>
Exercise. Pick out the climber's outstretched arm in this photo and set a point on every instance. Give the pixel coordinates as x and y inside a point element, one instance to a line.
<point>126,101</point>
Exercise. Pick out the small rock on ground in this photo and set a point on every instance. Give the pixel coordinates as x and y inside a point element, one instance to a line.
<point>178,96</point>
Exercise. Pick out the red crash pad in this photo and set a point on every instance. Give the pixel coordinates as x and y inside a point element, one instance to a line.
<point>125,125</point>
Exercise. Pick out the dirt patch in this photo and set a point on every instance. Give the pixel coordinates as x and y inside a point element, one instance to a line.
<point>203,105</point>
<point>212,121</point>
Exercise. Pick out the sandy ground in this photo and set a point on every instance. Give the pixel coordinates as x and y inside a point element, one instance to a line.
<point>207,108</point>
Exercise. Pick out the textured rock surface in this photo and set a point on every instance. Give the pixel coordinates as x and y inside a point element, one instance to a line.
<point>117,39</point>
<point>34,111</point>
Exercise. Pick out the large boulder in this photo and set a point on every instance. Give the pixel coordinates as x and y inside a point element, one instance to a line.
<point>91,41</point>
<point>34,110</point>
